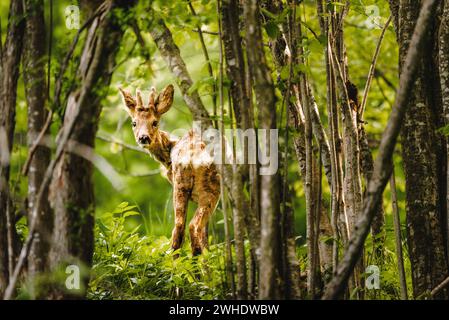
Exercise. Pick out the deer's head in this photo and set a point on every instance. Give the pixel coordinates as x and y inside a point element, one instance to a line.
<point>145,118</point>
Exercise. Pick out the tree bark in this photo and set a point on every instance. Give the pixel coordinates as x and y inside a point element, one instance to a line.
<point>424,159</point>
<point>9,73</point>
<point>444,82</point>
<point>398,237</point>
<point>35,89</point>
<point>367,167</point>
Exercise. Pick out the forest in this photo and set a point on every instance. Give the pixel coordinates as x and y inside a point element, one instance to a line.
<point>224,150</point>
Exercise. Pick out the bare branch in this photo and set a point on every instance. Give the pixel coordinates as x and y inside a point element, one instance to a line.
<point>373,68</point>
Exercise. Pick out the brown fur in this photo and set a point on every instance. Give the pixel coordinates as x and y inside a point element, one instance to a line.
<point>192,173</point>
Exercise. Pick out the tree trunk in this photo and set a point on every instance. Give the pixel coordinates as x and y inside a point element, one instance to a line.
<point>424,160</point>
<point>398,237</point>
<point>9,74</point>
<point>444,81</point>
<point>269,184</point>
<point>71,189</point>
<point>36,88</point>
<point>236,70</point>
<point>239,236</point>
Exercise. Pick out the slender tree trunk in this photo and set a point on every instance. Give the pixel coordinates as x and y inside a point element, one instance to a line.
<point>310,204</point>
<point>337,201</point>
<point>352,185</point>
<point>36,88</point>
<point>269,195</point>
<point>239,236</point>
<point>398,236</point>
<point>71,189</point>
<point>323,229</point>
<point>232,42</point>
<point>367,167</point>
<point>9,73</point>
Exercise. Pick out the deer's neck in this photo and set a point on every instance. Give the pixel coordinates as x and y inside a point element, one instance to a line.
<point>161,148</point>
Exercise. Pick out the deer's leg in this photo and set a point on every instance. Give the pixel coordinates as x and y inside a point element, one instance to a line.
<point>180,204</point>
<point>182,188</point>
<point>198,225</point>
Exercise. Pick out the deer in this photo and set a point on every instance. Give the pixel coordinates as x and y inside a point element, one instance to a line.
<point>186,163</point>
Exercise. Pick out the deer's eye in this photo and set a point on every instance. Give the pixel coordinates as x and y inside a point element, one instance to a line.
<point>155,123</point>
<point>134,123</point>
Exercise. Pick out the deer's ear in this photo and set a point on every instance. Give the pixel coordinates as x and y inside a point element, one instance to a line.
<point>128,100</point>
<point>165,99</point>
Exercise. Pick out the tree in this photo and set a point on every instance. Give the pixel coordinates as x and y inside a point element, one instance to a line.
<point>425,156</point>
<point>71,191</point>
<point>269,184</point>
<point>36,94</point>
<point>9,72</point>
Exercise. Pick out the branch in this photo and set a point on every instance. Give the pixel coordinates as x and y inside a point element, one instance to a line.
<point>121,143</point>
<point>440,287</point>
<point>373,68</point>
<point>65,63</point>
<point>209,65</point>
<point>36,143</point>
<point>383,163</point>
<point>171,54</point>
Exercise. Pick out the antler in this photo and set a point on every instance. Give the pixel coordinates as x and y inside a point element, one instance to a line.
<point>153,98</point>
<point>139,99</point>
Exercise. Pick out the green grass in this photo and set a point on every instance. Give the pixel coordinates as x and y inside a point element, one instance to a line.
<point>128,265</point>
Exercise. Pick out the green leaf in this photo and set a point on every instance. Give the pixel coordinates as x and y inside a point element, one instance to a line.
<point>122,205</point>
<point>272,29</point>
<point>444,130</point>
<point>130,213</point>
<point>285,72</point>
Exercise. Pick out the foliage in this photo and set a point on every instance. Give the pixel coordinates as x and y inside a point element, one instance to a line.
<point>129,266</point>
<point>132,259</point>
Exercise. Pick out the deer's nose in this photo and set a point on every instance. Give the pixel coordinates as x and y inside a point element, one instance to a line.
<point>144,139</point>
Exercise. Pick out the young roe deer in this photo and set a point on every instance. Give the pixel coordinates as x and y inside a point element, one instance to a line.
<point>190,169</point>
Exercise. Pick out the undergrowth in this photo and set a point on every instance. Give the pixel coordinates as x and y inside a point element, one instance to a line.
<point>127,265</point>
